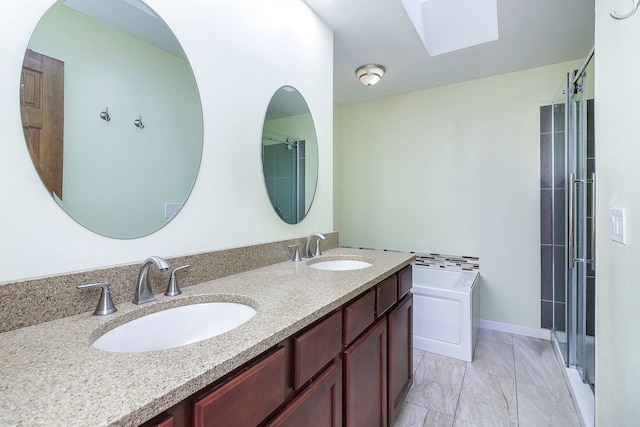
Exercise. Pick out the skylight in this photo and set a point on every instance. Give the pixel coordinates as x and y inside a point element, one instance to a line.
<point>449,25</point>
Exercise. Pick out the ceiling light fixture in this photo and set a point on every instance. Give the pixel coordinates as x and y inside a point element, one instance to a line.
<point>370,74</point>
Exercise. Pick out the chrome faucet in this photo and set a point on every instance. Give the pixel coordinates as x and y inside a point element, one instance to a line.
<point>307,249</point>
<point>144,293</point>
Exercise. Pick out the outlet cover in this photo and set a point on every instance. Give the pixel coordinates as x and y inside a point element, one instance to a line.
<point>171,209</point>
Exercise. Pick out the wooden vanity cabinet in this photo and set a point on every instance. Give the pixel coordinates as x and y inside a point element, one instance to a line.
<point>378,366</point>
<point>400,354</point>
<point>165,421</point>
<point>247,398</point>
<point>316,347</point>
<point>319,405</point>
<point>400,343</point>
<point>359,314</point>
<point>386,294</point>
<point>405,281</point>
<point>365,377</point>
<point>351,368</point>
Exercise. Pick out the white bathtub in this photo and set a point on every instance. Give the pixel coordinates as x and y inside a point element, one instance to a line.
<point>445,311</point>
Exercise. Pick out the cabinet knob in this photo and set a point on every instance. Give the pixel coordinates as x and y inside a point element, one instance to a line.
<point>105,305</point>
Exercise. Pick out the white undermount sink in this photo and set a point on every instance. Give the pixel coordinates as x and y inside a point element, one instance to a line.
<point>175,327</point>
<point>340,264</point>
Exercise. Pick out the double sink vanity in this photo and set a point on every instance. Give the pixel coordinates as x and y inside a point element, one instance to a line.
<point>325,340</point>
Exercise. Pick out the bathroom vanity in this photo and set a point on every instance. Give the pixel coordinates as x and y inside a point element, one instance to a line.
<point>326,347</point>
<point>366,342</point>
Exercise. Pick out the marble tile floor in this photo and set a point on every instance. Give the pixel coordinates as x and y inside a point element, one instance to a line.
<point>513,380</point>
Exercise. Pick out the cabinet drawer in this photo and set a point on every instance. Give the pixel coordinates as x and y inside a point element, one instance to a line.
<point>164,421</point>
<point>386,294</point>
<point>319,405</point>
<point>247,398</point>
<point>358,315</point>
<point>316,347</point>
<point>405,281</point>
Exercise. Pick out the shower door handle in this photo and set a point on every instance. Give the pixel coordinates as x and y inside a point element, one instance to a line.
<point>593,221</point>
<point>571,251</point>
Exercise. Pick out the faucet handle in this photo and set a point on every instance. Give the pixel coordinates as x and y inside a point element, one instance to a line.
<point>173,289</point>
<point>105,305</point>
<point>296,253</point>
<point>317,252</point>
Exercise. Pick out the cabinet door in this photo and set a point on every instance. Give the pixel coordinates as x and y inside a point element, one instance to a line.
<point>316,347</point>
<point>320,405</point>
<point>386,294</point>
<point>400,354</point>
<point>246,399</point>
<point>405,281</point>
<point>365,373</point>
<point>358,315</point>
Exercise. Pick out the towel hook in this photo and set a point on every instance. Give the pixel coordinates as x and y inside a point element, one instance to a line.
<point>615,15</point>
<point>138,122</point>
<point>104,115</point>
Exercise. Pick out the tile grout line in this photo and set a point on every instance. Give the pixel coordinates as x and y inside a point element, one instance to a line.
<point>515,380</point>
<point>455,413</point>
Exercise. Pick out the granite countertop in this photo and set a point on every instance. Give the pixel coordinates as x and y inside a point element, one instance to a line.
<point>51,375</point>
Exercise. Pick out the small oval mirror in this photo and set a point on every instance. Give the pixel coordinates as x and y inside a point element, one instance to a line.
<point>111,115</point>
<point>289,155</point>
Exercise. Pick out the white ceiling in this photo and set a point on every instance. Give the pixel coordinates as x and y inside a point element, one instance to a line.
<point>532,33</point>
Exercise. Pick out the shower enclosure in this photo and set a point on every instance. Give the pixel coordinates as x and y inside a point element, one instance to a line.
<point>581,229</point>
<point>284,172</point>
<point>568,238</point>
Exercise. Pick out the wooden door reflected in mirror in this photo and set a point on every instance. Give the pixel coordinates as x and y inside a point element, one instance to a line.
<point>42,110</point>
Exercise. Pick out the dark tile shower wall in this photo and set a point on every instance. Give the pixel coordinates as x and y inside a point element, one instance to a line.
<point>552,216</point>
<point>278,171</point>
<point>553,182</point>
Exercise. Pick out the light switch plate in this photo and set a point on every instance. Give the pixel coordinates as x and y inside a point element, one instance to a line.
<point>617,225</point>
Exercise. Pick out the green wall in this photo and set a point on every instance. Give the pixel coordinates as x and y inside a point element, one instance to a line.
<point>452,170</point>
<point>618,186</point>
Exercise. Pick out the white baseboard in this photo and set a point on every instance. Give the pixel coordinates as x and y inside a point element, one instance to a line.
<point>543,334</point>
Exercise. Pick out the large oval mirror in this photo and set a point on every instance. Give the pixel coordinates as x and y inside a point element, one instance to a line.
<point>111,115</point>
<point>289,155</point>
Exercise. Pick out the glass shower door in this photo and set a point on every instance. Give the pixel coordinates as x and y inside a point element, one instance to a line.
<point>580,183</point>
<point>572,210</point>
<point>560,182</point>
